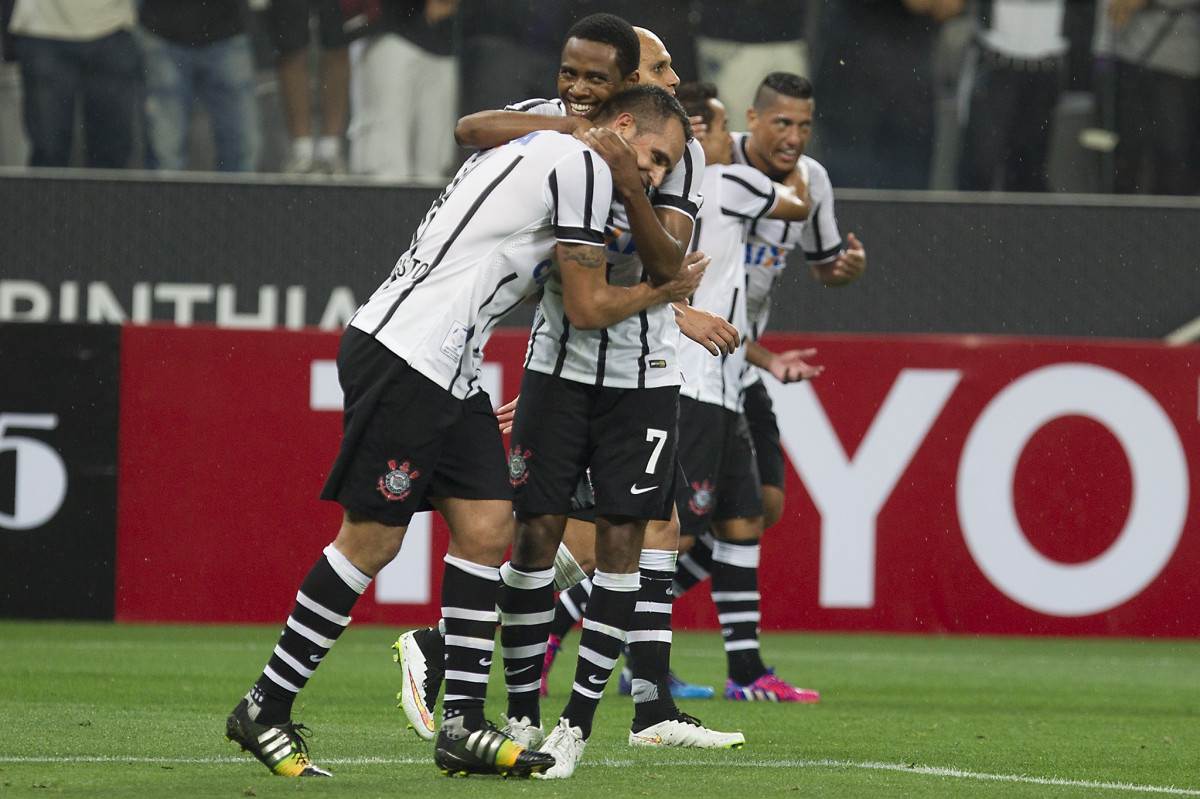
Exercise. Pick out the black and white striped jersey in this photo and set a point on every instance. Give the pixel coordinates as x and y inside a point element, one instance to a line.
<point>733,196</point>
<point>641,351</point>
<point>486,244</point>
<point>768,241</point>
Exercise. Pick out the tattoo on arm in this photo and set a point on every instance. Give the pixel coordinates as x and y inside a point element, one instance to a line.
<point>588,256</point>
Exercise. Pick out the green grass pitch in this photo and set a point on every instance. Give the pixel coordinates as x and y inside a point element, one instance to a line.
<point>118,710</point>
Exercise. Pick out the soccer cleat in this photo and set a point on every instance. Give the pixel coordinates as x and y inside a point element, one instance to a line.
<point>460,751</point>
<point>523,731</point>
<point>769,688</point>
<point>565,743</point>
<point>685,731</point>
<point>279,747</point>
<point>679,688</point>
<point>421,655</point>
<point>552,646</point>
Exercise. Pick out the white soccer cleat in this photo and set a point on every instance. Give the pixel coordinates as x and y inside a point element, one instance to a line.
<point>420,654</point>
<point>566,744</point>
<point>687,732</point>
<point>523,731</point>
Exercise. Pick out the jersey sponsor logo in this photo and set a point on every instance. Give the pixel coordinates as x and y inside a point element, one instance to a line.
<point>397,483</point>
<point>702,499</point>
<point>658,364</point>
<point>765,256</point>
<point>619,241</point>
<point>518,468</point>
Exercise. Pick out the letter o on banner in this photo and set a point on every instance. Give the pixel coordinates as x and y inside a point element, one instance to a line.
<point>1158,504</point>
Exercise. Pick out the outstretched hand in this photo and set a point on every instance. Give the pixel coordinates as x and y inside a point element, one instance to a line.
<point>791,367</point>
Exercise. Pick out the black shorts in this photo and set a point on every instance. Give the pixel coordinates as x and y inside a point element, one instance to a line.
<point>287,21</point>
<point>718,458</point>
<point>764,430</point>
<point>405,438</point>
<point>626,436</point>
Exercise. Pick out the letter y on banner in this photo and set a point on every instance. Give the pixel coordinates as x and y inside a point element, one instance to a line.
<point>850,492</point>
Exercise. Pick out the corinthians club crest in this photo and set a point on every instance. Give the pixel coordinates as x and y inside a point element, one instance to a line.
<point>701,501</point>
<point>518,469</point>
<point>396,484</point>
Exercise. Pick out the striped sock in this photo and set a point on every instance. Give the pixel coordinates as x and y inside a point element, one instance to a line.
<point>321,612</point>
<point>469,593</point>
<point>570,607</point>
<point>735,593</point>
<point>695,565</point>
<point>650,639</point>
<point>526,610</point>
<point>609,612</point>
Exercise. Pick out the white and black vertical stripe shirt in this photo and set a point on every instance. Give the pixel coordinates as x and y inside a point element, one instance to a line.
<point>484,246</point>
<point>641,351</point>
<point>768,241</point>
<point>733,195</point>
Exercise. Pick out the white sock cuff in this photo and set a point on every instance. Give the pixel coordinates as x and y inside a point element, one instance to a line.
<point>659,560</point>
<point>523,580</point>
<point>617,582</point>
<point>567,571</point>
<point>474,569</point>
<point>350,574</point>
<point>736,554</point>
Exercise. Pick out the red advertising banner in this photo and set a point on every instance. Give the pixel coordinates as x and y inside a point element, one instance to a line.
<point>935,484</point>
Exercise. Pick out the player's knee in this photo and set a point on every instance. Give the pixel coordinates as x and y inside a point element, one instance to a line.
<point>536,540</point>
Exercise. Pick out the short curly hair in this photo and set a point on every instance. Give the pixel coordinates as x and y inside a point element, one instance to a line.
<point>611,30</point>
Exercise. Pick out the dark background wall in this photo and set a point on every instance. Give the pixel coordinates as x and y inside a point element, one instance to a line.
<point>1058,265</point>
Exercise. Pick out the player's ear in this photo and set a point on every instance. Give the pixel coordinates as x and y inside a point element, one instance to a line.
<point>751,117</point>
<point>624,123</point>
<point>633,79</point>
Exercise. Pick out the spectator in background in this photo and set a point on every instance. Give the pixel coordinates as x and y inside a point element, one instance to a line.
<point>876,75</point>
<point>199,49</point>
<point>1155,52</point>
<point>288,21</point>
<point>72,51</point>
<point>739,41</point>
<point>1013,75</point>
<point>525,36</point>
<point>404,92</point>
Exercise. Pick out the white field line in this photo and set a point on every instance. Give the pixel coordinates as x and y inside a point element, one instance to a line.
<point>932,771</point>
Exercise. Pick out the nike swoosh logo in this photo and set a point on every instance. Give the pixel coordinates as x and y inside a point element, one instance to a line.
<point>635,489</point>
<point>487,664</point>
<point>513,672</point>
<point>316,658</point>
<point>653,739</point>
<point>594,681</point>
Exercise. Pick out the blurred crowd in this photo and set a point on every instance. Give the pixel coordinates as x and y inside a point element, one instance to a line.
<point>1009,95</point>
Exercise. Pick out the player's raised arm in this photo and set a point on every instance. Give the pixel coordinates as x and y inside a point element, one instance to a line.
<point>486,129</point>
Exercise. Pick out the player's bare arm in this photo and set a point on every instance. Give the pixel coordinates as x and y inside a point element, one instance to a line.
<point>789,205</point>
<point>846,268</point>
<point>486,129</point>
<point>591,303</point>
<point>786,367</point>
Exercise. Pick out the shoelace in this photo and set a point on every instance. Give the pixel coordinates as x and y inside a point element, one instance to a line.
<point>686,719</point>
<point>297,733</point>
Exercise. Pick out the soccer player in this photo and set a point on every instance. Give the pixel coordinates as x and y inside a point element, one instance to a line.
<point>601,52</point>
<point>780,123</point>
<point>419,429</point>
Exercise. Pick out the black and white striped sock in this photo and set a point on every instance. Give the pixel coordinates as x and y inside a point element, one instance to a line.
<point>526,610</point>
<point>321,612</point>
<point>469,594</point>
<point>695,565</point>
<point>569,607</point>
<point>605,623</point>
<point>735,593</point>
<point>650,639</point>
